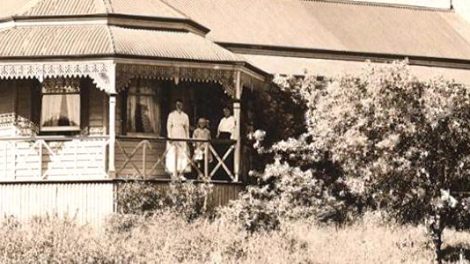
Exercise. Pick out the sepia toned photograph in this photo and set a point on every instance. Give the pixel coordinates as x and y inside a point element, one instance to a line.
<point>235,131</point>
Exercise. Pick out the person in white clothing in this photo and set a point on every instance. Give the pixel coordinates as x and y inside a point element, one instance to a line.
<point>225,131</point>
<point>177,151</point>
<point>226,127</point>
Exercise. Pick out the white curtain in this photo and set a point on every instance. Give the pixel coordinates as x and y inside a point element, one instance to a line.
<point>143,108</point>
<point>73,108</point>
<point>131,110</point>
<point>60,110</point>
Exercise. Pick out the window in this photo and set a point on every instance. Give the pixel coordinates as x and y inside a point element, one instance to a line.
<point>143,108</point>
<point>60,105</point>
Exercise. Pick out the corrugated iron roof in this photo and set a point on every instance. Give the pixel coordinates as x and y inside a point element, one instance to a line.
<point>318,25</point>
<point>51,41</point>
<point>42,8</point>
<point>99,40</point>
<point>331,68</point>
<point>62,7</point>
<point>178,45</point>
<point>334,26</point>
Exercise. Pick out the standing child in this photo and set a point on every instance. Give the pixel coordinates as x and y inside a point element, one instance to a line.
<point>201,133</point>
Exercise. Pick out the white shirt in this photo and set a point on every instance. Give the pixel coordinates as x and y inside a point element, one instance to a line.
<point>227,124</point>
<point>178,125</point>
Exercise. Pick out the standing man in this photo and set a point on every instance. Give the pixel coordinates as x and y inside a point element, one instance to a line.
<point>177,151</point>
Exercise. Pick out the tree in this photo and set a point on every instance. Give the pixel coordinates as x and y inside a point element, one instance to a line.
<point>401,144</point>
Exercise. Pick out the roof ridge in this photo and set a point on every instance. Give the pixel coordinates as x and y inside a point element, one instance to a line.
<point>108,6</point>
<point>113,40</point>
<point>175,9</point>
<point>381,4</point>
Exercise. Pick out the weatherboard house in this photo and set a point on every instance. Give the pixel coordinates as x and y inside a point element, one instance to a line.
<point>86,86</point>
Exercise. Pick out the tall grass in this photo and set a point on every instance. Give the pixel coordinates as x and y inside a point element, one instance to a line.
<point>169,238</point>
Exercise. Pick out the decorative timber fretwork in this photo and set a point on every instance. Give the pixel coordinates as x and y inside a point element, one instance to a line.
<point>101,72</point>
<point>127,72</point>
<point>112,78</point>
<point>12,124</point>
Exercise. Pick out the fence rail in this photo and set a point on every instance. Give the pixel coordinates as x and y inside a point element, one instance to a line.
<point>72,158</point>
<point>146,157</point>
<point>52,157</point>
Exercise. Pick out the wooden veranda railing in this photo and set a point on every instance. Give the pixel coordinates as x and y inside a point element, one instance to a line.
<point>52,157</point>
<point>156,157</point>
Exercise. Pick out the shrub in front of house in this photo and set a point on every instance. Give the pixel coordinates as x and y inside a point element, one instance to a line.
<point>380,140</point>
<point>138,197</point>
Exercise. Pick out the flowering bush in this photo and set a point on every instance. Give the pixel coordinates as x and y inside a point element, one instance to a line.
<point>285,192</point>
<point>380,140</point>
<point>399,143</point>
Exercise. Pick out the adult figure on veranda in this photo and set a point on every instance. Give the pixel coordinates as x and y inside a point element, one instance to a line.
<point>177,157</point>
<point>226,131</point>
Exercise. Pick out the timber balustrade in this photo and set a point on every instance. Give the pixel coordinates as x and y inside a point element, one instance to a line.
<point>149,157</point>
<point>85,157</point>
<point>53,157</point>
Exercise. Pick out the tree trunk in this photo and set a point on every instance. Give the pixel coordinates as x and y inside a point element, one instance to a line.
<point>436,229</point>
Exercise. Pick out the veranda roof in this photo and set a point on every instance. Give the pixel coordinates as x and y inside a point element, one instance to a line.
<point>333,25</point>
<point>104,40</point>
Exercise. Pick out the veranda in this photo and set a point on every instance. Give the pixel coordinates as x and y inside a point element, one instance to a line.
<point>85,91</point>
<point>72,133</point>
<point>66,128</point>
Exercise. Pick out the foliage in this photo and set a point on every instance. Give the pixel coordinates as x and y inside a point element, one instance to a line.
<point>139,197</point>
<point>189,199</point>
<point>287,192</point>
<point>400,144</point>
<point>48,240</point>
<point>381,140</point>
<point>167,237</point>
<point>381,148</point>
<point>278,110</point>
<point>146,198</point>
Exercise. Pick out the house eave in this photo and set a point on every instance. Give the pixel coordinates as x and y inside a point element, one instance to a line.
<point>295,52</point>
<point>244,67</point>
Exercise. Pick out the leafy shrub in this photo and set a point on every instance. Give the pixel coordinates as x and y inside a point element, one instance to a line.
<point>189,199</point>
<point>139,197</point>
<point>379,140</point>
<point>287,192</point>
<point>146,198</point>
<point>401,144</point>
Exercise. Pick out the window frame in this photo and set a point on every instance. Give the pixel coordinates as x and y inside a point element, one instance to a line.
<point>57,129</point>
<point>125,110</point>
